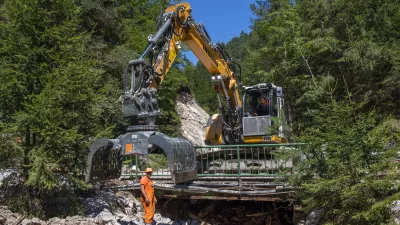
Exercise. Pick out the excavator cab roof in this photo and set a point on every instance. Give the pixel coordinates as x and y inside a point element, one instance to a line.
<point>257,87</point>
<point>263,87</point>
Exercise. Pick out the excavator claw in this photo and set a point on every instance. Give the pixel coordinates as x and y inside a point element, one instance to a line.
<point>105,157</point>
<point>104,161</point>
<point>181,157</point>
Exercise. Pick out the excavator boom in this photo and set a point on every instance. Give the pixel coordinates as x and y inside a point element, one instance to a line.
<point>141,79</point>
<point>176,26</point>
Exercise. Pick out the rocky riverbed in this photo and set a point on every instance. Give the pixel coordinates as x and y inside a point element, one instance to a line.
<point>106,208</point>
<point>122,208</point>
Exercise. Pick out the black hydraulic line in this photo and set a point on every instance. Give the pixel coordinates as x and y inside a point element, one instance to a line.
<point>140,63</point>
<point>240,71</point>
<point>125,77</point>
<point>141,78</point>
<point>228,59</point>
<point>134,64</point>
<point>177,33</point>
<point>137,62</point>
<point>150,70</point>
<point>178,20</point>
<point>205,31</point>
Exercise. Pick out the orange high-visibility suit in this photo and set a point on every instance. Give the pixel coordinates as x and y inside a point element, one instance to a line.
<point>150,208</point>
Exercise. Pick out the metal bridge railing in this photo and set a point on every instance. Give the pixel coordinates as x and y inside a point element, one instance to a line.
<point>236,161</point>
<point>256,160</point>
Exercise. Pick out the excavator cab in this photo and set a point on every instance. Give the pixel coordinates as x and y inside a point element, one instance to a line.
<point>263,114</point>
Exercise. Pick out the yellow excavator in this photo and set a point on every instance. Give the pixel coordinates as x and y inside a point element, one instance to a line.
<point>239,121</point>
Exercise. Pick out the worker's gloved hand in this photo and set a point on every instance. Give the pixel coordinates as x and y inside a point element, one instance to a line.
<point>147,201</point>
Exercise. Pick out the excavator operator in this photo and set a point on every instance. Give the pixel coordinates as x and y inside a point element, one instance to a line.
<point>263,107</point>
<point>149,200</point>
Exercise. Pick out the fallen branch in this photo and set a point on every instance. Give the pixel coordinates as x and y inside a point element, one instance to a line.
<point>257,214</point>
<point>20,220</point>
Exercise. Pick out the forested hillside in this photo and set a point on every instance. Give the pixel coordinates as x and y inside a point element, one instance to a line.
<point>61,64</point>
<point>338,62</point>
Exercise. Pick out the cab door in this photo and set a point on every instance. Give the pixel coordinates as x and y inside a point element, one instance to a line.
<point>256,128</point>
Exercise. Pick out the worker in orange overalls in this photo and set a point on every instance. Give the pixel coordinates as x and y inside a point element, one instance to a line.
<point>149,200</point>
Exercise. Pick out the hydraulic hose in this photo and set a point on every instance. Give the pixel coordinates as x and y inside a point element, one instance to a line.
<point>178,20</point>
<point>133,64</point>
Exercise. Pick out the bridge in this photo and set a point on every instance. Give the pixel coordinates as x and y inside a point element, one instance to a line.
<point>232,172</point>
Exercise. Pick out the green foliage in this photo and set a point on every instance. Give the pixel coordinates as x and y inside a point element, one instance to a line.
<point>167,95</point>
<point>305,45</point>
<point>61,64</point>
<point>11,150</point>
<point>349,169</point>
<point>200,83</point>
<point>51,86</point>
<point>43,204</point>
<point>157,161</point>
<point>338,64</point>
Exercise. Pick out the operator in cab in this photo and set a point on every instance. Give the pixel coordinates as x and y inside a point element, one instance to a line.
<point>149,200</point>
<point>263,107</point>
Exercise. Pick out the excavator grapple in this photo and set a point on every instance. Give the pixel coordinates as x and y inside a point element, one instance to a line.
<point>106,155</point>
<point>104,161</point>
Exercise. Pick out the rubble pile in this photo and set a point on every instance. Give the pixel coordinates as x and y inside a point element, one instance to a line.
<point>104,208</point>
<point>122,208</point>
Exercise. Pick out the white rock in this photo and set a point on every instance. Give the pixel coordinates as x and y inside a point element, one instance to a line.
<point>395,208</point>
<point>193,119</point>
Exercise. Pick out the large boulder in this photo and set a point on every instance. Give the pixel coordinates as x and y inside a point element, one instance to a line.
<point>193,119</point>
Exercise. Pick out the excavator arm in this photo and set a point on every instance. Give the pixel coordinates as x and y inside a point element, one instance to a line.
<point>176,26</point>
<point>141,79</point>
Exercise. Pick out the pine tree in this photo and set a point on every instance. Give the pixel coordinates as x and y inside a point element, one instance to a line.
<point>49,93</point>
<point>349,169</point>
